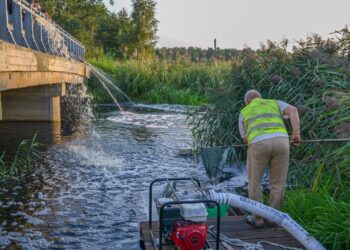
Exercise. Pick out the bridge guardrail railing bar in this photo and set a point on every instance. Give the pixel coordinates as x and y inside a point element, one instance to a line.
<point>23,25</point>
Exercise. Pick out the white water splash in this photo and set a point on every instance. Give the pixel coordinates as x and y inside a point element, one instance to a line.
<point>56,38</point>
<point>157,120</point>
<point>95,157</point>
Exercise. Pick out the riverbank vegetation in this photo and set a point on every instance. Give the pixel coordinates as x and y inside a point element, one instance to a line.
<point>163,81</point>
<point>22,161</point>
<point>314,76</point>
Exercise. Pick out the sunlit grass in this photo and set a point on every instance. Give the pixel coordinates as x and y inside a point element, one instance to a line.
<point>322,213</point>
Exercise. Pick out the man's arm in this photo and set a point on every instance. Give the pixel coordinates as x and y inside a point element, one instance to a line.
<point>293,114</point>
<point>241,128</point>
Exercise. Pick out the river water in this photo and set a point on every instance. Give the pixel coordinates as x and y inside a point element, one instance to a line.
<point>90,188</point>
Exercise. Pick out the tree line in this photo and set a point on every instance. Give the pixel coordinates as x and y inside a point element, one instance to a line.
<point>122,34</point>
<point>196,54</point>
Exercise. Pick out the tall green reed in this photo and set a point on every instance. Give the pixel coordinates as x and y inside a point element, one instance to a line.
<point>23,160</point>
<point>322,212</point>
<point>162,81</point>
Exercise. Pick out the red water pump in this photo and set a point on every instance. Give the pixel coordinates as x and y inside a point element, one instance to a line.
<point>182,217</point>
<point>189,236</point>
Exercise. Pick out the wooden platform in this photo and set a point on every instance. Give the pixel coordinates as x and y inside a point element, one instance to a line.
<point>233,227</point>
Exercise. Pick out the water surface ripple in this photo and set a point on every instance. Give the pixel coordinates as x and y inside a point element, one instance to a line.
<point>90,192</point>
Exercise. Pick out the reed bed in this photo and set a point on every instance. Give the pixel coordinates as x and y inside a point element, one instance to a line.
<point>164,81</point>
<point>315,77</point>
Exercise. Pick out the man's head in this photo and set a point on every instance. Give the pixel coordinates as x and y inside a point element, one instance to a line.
<point>250,96</point>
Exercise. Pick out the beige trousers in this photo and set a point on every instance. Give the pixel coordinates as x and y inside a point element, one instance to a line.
<point>275,154</point>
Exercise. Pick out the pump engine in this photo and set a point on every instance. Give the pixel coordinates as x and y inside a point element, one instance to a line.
<point>184,224</point>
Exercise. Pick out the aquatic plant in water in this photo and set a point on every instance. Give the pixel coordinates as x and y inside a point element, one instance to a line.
<point>23,160</point>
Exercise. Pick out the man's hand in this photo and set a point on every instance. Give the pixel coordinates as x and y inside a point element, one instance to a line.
<point>296,139</point>
<point>245,141</point>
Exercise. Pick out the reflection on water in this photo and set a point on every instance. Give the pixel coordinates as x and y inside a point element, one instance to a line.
<point>89,192</point>
<point>12,133</point>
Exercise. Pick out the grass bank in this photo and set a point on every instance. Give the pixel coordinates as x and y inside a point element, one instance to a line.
<point>162,81</point>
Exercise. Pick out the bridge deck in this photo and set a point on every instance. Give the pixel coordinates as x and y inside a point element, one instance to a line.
<point>234,227</point>
<point>21,67</point>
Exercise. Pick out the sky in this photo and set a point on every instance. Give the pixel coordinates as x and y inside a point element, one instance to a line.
<point>241,23</point>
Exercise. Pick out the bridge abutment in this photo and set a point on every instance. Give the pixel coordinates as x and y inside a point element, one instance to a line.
<point>32,104</point>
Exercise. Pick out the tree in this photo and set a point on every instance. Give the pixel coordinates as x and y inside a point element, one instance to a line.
<point>79,18</point>
<point>145,27</point>
<point>114,33</point>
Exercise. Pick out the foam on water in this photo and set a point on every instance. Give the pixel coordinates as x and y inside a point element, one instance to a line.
<point>156,120</point>
<point>164,107</point>
<point>95,157</point>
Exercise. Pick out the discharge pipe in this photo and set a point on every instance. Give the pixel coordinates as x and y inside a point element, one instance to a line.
<point>269,213</point>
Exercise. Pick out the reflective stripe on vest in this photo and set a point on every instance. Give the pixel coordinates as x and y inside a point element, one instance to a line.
<point>262,116</point>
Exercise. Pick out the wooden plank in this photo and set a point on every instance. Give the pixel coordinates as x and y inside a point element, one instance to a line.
<point>234,227</point>
<point>16,80</point>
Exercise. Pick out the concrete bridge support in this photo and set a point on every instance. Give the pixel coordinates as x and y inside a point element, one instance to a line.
<point>32,104</point>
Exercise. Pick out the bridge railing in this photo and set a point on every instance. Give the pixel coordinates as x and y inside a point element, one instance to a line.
<point>23,24</point>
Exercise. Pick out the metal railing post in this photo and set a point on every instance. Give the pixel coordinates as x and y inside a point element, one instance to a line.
<point>42,38</point>
<point>17,24</point>
<point>22,17</point>
<point>3,28</point>
<point>8,36</point>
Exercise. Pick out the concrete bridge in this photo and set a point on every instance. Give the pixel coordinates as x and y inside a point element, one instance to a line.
<point>39,64</point>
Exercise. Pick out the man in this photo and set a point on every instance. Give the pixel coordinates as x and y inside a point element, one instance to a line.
<point>37,6</point>
<point>262,128</point>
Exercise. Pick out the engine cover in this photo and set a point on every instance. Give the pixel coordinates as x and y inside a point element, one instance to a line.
<point>189,236</point>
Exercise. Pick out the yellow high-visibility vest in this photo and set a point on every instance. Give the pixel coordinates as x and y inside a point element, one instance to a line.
<point>262,116</point>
